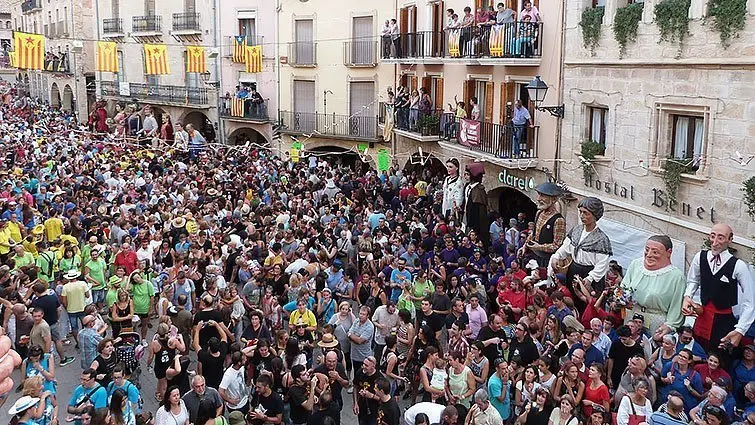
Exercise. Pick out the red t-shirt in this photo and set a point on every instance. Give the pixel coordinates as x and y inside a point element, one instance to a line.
<point>516,299</point>
<point>706,373</point>
<point>598,395</point>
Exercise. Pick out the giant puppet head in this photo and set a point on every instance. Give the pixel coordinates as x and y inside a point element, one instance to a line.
<point>547,195</point>
<point>657,252</point>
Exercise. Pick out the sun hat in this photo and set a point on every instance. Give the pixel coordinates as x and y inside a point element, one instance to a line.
<point>22,404</point>
<point>71,274</point>
<point>327,341</point>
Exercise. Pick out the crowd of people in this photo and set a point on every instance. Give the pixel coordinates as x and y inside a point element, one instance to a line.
<point>260,291</point>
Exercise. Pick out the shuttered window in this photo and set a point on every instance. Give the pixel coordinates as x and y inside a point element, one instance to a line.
<point>362,43</point>
<point>362,110</point>
<point>304,105</point>
<point>305,48</point>
<point>149,7</point>
<point>115,5</point>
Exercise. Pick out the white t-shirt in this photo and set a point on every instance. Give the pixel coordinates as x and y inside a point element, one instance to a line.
<point>234,384</point>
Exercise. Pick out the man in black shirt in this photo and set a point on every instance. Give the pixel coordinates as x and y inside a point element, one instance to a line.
<point>366,403</point>
<point>301,395</point>
<point>522,345</point>
<point>388,412</point>
<point>211,358</point>
<point>269,405</point>
<point>206,314</point>
<point>458,313</point>
<point>619,354</point>
<point>426,316</point>
<point>441,303</point>
<point>336,375</point>
<point>325,409</point>
<point>492,336</point>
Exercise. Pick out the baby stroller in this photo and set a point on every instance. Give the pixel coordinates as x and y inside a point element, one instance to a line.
<point>129,351</point>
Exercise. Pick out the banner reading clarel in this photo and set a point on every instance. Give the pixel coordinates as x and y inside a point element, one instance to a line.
<point>107,56</point>
<point>195,59</point>
<point>156,59</point>
<point>30,50</point>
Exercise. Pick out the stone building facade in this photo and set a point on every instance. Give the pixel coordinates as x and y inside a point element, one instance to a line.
<point>658,105</point>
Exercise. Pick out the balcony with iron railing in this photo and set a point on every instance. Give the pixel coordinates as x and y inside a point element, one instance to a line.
<point>147,24</point>
<point>249,111</point>
<point>359,127</point>
<point>360,53</point>
<point>186,22</point>
<point>159,94</point>
<point>501,141</point>
<point>28,6</point>
<point>302,53</point>
<point>515,42</point>
<point>112,26</point>
<point>249,40</point>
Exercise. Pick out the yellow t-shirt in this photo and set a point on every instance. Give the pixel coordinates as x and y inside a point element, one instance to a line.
<point>5,240</point>
<point>421,187</point>
<point>75,293</point>
<point>308,317</point>
<point>15,231</point>
<point>53,228</point>
<point>31,247</point>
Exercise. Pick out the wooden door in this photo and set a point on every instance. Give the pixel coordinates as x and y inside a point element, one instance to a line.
<point>438,94</point>
<point>469,92</point>
<point>489,95</point>
<point>508,95</point>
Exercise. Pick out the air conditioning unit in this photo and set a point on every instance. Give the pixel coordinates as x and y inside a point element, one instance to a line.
<point>213,53</point>
<point>77,46</point>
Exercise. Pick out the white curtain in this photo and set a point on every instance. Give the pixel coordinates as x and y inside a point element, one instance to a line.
<point>698,137</point>
<point>680,140</point>
<point>597,123</point>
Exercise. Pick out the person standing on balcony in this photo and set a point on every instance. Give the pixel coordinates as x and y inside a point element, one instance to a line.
<point>396,37</point>
<point>505,15</point>
<point>413,109</point>
<point>467,27</point>
<point>450,21</point>
<point>385,36</point>
<point>521,120</point>
<point>402,108</point>
<point>452,125</point>
<point>258,103</point>
<point>531,11</point>
<point>475,109</point>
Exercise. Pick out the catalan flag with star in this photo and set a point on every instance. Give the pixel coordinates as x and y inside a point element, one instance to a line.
<point>195,59</point>
<point>156,59</point>
<point>253,58</point>
<point>30,50</point>
<point>107,56</point>
<point>239,54</point>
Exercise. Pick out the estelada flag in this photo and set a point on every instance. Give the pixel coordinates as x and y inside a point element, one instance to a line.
<point>239,54</point>
<point>237,107</point>
<point>195,60</point>
<point>496,40</point>
<point>30,50</point>
<point>253,58</point>
<point>156,59</point>
<point>13,60</point>
<point>107,56</point>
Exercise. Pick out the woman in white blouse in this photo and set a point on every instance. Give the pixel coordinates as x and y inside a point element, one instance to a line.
<point>173,410</point>
<point>565,413</point>
<point>588,247</point>
<point>635,404</point>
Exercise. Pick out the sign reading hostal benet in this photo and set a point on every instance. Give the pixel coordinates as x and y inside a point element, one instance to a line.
<point>523,184</point>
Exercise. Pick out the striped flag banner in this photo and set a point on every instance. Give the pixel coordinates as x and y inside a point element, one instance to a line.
<point>496,40</point>
<point>156,59</point>
<point>30,50</point>
<point>239,54</point>
<point>454,36</point>
<point>253,58</point>
<point>107,56</point>
<point>195,59</point>
<point>13,59</point>
<point>237,107</point>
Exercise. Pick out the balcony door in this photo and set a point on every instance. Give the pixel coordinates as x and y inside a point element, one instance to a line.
<point>362,50</point>
<point>362,111</point>
<point>305,106</point>
<point>149,7</point>
<point>407,26</point>
<point>115,6</point>
<point>304,41</point>
<point>248,28</point>
<point>190,6</point>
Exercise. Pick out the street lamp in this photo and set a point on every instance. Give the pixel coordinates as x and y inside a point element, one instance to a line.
<point>206,76</point>
<point>537,90</point>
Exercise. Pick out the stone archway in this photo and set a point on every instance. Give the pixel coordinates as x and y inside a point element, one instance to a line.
<point>201,122</point>
<point>243,135</point>
<point>67,98</point>
<point>336,155</point>
<point>55,96</point>
<point>432,166</point>
<point>509,202</point>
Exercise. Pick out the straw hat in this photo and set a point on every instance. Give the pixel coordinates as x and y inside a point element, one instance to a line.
<point>212,192</point>
<point>71,274</point>
<point>22,404</point>
<point>327,341</point>
<point>178,222</point>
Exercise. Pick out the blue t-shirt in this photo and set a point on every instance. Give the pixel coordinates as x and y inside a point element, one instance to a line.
<point>395,274</point>
<point>131,393</point>
<point>690,400</point>
<point>98,399</point>
<point>496,388</point>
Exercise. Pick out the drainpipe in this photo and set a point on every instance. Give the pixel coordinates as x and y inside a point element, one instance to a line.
<point>215,17</point>
<point>557,154</point>
<point>278,70</point>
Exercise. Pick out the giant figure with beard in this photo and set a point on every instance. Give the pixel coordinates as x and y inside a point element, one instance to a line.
<point>550,226</point>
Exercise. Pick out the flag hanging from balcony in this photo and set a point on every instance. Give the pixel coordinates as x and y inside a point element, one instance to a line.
<point>13,60</point>
<point>237,107</point>
<point>30,50</point>
<point>454,38</point>
<point>253,58</point>
<point>107,56</point>
<point>195,59</point>
<point>156,59</point>
<point>496,42</point>
<point>239,52</point>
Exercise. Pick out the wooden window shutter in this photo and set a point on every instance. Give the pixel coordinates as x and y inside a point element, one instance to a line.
<point>477,4</point>
<point>403,19</point>
<point>469,91</point>
<point>439,93</point>
<point>404,81</point>
<point>489,97</point>
<point>507,101</point>
<point>427,84</point>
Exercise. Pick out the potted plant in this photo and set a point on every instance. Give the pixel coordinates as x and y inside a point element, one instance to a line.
<point>429,125</point>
